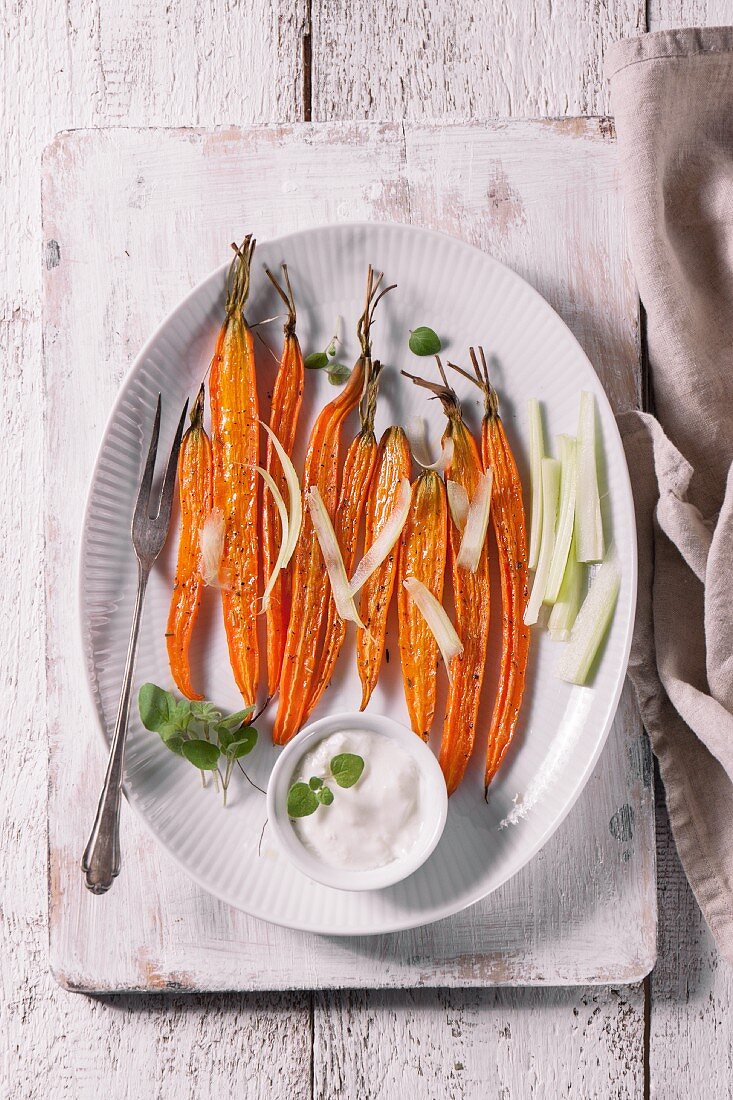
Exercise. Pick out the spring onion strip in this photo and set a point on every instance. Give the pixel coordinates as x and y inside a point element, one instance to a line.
<point>458,503</point>
<point>435,616</point>
<point>211,548</point>
<point>592,623</point>
<point>570,597</point>
<point>565,518</point>
<point>587,501</point>
<point>328,542</point>
<point>284,522</point>
<point>295,516</point>
<point>550,481</point>
<point>477,522</point>
<point>536,454</point>
<point>417,433</point>
<point>386,538</point>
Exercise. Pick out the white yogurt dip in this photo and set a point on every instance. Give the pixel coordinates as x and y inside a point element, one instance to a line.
<point>373,823</point>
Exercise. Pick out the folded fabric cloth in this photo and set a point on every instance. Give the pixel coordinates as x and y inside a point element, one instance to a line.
<point>672,95</point>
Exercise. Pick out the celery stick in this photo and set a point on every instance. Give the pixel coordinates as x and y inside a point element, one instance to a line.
<point>550,480</point>
<point>536,454</point>
<point>570,597</point>
<point>565,519</point>
<point>587,500</point>
<point>593,621</point>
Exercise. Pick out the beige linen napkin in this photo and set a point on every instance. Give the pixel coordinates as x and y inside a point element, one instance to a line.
<point>672,95</point>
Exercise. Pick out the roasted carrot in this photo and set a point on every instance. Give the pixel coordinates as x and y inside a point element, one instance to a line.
<point>422,555</point>
<point>507,513</point>
<point>472,599</point>
<point>195,494</point>
<point>235,445</point>
<point>361,459</point>
<point>393,464</point>
<point>287,396</point>
<point>310,578</point>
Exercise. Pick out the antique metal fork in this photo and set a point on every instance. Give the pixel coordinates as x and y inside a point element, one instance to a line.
<point>101,860</point>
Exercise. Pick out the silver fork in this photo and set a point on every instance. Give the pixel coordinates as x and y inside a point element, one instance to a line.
<point>101,860</point>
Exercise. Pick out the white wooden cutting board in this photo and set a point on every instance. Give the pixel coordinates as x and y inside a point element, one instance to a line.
<point>132,220</point>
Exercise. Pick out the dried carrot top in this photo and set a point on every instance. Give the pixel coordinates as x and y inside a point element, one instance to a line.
<point>287,396</point>
<point>195,494</point>
<point>235,444</point>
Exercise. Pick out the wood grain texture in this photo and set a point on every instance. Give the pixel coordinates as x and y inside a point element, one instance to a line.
<point>528,1044</point>
<point>393,59</point>
<point>665,14</point>
<point>691,989</point>
<point>542,197</point>
<point>68,65</point>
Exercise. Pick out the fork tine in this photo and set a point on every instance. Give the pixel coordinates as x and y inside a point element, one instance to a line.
<point>143,497</point>
<point>169,481</point>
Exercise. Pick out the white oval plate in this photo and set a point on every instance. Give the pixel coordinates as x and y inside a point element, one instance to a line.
<point>468,298</point>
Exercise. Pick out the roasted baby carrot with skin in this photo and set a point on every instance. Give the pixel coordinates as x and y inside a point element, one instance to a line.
<point>235,445</point>
<point>472,600</point>
<point>195,491</point>
<point>393,464</point>
<point>361,460</point>
<point>287,396</point>
<point>310,578</point>
<point>507,513</point>
<point>422,555</point>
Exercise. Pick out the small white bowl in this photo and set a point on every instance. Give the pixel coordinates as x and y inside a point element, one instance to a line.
<point>433,800</point>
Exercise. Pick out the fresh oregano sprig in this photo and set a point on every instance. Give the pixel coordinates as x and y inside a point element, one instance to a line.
<point>305,798</point>
<point>326,360</point>
<point>198,731</point>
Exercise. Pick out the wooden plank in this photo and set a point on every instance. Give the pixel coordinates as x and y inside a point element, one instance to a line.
<point>541,196</point>
<point>55,59</point>
<point>665,14</point>
<point>379,60</point>
<point>455,1043</point>
<point>691,990</point>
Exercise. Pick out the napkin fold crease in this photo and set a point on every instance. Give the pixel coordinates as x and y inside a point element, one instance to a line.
<point>672,94</point>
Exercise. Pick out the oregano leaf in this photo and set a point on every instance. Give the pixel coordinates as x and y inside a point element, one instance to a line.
<point>423,341</point>
<point>202,754</point>
<point>155,706</point>
<point>302,802</point>
<point>338,374</point>
<point>325,796</point>
<point>317,360</point>
<point>315,783</point>
<point>246,741</point>
<point>175,743</point>
<point>346,768</point>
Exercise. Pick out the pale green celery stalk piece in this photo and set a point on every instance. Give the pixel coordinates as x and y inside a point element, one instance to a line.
<point>536,454</point>
<point>592,623</point>
<point>550,480</point>
<point>565,519</point>
<point>587,500</point>
<point>569,599</point>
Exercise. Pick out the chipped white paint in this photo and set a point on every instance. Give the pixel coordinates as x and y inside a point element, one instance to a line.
<point>582,912</point>
<point>520,1044</point>
<point>185,63</point>
<point>418,59</point>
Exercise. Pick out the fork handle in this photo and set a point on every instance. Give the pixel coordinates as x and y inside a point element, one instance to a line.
<point>101,860</point>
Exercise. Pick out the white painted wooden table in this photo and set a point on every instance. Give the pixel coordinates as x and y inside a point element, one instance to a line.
<point>206,63</point>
